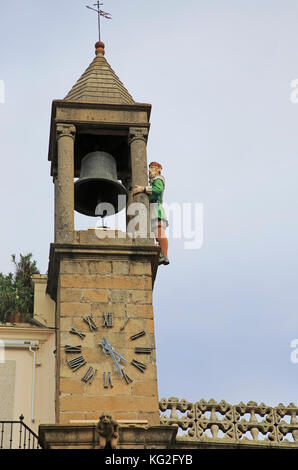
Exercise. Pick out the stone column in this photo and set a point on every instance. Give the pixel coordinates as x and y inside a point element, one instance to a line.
<point>64,185</point>
<point>126,181</point>
<point>139,169</point>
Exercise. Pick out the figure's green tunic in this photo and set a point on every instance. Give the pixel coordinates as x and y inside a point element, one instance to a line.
<point>156,198</point>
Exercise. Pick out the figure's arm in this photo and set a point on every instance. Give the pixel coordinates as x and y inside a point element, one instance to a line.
<point>139,189</point>
<point>156,188</point>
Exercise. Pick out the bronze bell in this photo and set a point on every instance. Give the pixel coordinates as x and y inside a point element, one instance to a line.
<point>97,184</point>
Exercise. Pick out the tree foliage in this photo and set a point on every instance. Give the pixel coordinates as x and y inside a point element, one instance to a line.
<point>16,290</point>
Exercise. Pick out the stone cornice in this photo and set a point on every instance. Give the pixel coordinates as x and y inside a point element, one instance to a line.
<point>114,106</point>
<point>32,333</point>
<point>84,436</point>
<point>57,251</point>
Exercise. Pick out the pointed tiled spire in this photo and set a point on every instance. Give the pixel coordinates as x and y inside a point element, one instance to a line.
<point>99,83</point>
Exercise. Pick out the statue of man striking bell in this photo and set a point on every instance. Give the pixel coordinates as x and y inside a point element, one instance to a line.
<point>158,216</point>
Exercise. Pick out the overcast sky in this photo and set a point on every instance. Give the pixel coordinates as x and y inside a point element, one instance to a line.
<point>218,75</point>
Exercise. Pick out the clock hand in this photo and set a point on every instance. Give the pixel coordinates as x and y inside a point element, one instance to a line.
<point>109,350</point>
<point>118,356</point>
<point>118,366</point>
<point>104,344</point>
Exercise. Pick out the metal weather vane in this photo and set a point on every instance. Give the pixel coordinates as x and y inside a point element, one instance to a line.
<point>99,13</point>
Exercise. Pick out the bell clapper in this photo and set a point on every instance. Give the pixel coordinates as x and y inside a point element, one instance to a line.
<point>103,226</point>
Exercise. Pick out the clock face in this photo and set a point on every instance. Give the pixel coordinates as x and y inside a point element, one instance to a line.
<point>119,353</point>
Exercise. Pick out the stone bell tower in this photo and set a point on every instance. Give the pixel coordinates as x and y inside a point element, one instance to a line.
<point>102,285</point>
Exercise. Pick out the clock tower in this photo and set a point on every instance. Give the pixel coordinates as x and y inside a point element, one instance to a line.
<point>102,279</point>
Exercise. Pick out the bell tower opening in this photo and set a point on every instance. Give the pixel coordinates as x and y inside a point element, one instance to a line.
<point>98,148</point>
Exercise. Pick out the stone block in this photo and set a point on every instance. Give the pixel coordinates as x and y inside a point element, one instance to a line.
<point>150,326</point>
<point>121,267</point>
<point>139,268</point>
<point>74,267</point>
<point>74,309</point>
<point>99,267</point>
<point>141,297</point>
<point>95,295</point>
<point>145,388</point>
<point>143,311</point>
<point>115,403</point>
<point>119,296</point>
<point>71,386</point>
<point>71,295</point>
<point>85,281</point>
<point>132,282</point>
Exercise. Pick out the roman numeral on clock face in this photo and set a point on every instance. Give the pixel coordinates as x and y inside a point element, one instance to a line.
<point>139,365</point>
<point>75,332</point>
<point>127,379</point>
<point>90,322</point>
<point>76,363</point>
<point>108,320</point>
<point>143,350</point>
<point>89,376</point>
<point>107,380</point>
<point>72,349</point>
<point>125,323</point>
<point>138,335</point>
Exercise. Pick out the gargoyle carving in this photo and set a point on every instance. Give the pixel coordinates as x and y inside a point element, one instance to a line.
<point>107,430</point>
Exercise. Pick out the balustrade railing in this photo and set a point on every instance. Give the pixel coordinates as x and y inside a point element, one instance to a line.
<point>249,424</point>
<point>17,435</point>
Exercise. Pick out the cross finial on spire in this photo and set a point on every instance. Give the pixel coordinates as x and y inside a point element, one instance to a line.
<point>99,13</point>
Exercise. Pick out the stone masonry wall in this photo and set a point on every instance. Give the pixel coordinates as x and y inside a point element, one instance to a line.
<point>121,285</point>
